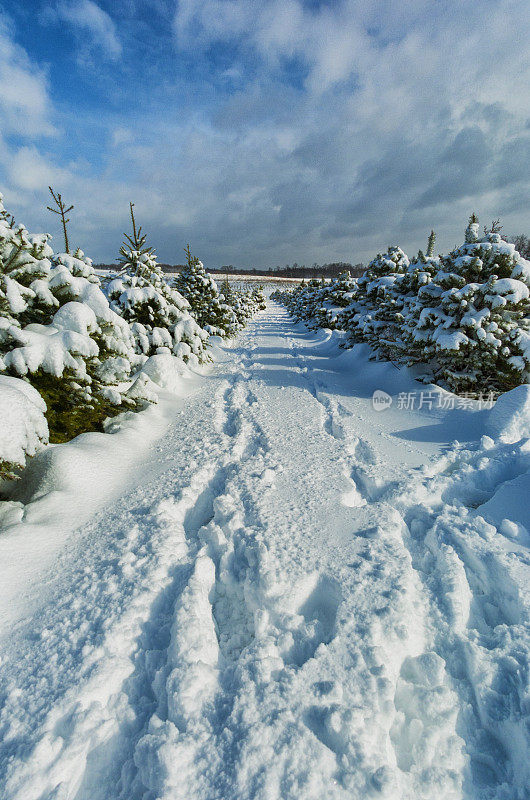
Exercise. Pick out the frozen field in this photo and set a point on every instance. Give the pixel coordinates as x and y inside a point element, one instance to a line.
<point>266,588</point>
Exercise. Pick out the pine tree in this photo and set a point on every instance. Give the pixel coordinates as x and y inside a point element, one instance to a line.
<point>62,211</point>
<point>207,304</point>
<point>430,244</point>
<point>465,317</point>
<point>158,314</point>
<point>25,268</point>
<point>471,234</point>
<point>396,309</point>
<point>371,313</point>
<point>303,301</point>
<point>332,298</point>
<point>468,321</point>
<point>258,298</point>
<point>58,332</point>
<point>135,258</point>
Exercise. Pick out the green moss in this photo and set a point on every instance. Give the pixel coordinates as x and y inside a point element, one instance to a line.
<point>69,412</point>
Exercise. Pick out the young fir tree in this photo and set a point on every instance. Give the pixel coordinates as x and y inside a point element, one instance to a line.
<point>239,301</point>
<point>207,305</point>
<point>395,342</point>
<point>317,303</point>
<point>61,211</point>
<point>158,314</point>
<point>370,315</point>
<point>258,298</point>
<point>468,321</point>
<point>303,301</point>
<point>58,332</point>
<point>24,429</point>
<point>25,268</point>
<point>430,244</point>
<point>335,296</point>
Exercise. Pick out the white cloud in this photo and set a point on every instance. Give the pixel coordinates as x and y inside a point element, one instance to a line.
<point>93,22</point>
<point>28,169</point>
<point>461,47</point>
<point>25,104</point>
<point>388,89</point>
<point>401,117</point>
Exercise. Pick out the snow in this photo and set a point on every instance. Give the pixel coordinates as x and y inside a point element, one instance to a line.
<point>14,296</point>
<point>508,290</point>
<point>272,589</point>
<point>76,317</point>
<point>522,270</point>
<point>50,348</point>
<point>45,505</point>
<point>449,341</point>
<point>25,430</point>
<point>166,371</point>
<point>509,420</point>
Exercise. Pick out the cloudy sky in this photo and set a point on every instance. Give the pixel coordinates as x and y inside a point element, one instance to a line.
<point>266,131</point>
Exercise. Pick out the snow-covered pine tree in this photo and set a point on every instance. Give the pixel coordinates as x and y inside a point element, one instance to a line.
<point>470,321</point>
<point>371,313</point>
<point>244,302</point>
<point>333,298</point>
<point>319,303</point>
<point>395,341</point>
<point>73,282</point>
<point>303,301</point>
<point>158,314</point>
<point>25,268</point>
<point>207,305</point>
<point>24,429</point>
<point>430,244</point>
<point>238,302</point>
<point>58,333</point>
<point>258,298</point>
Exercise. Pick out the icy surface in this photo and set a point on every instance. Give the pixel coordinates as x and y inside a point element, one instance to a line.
<point>287,595</point>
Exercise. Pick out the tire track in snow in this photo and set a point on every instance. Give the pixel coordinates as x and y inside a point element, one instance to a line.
<point>329,720</point>
<point>283,639</point>
<point>191,691</point>
<point>360,461</point>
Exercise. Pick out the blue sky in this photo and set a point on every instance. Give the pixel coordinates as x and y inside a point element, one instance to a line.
<point>266,132</point>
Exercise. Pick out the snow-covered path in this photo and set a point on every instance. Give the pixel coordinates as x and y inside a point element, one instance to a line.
<point>294,598</point>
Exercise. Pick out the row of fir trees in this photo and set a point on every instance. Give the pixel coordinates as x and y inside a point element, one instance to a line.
<point>464,317</point>
<point>75,351</point>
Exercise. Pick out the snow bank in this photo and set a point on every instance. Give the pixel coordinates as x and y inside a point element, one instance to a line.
<point>82,475</point>
<point>166,371</point>
<point>508,509</point>
<point>509,419</point>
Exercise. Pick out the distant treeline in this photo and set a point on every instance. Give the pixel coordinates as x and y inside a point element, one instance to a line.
<point>289,271</point>
<point>301,271</point>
